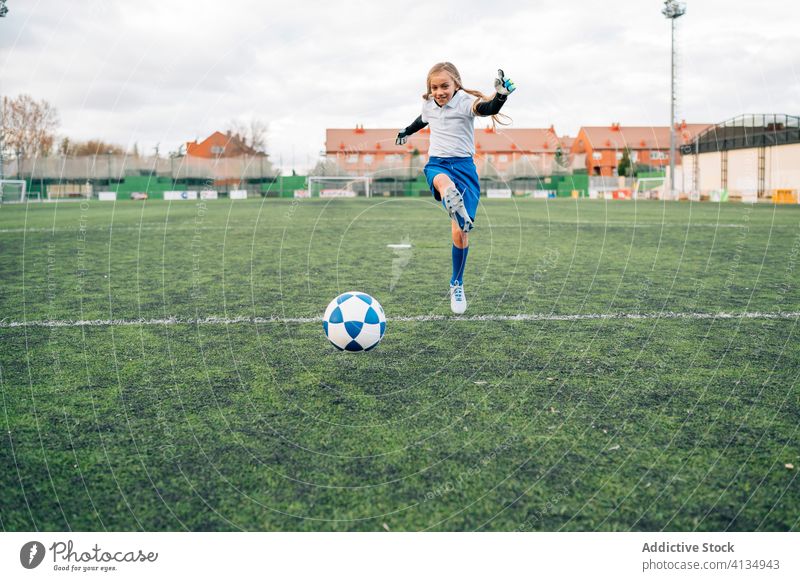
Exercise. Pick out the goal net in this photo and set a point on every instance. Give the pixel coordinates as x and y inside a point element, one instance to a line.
<point>338,187</point>
<point>650,189</point>
<point>12,191</point>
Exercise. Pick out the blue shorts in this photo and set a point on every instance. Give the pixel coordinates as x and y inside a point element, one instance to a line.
<point>464,175</point>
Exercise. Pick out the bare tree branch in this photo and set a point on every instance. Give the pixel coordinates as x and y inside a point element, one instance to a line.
<point>28,126</point>
<point>253,133</point>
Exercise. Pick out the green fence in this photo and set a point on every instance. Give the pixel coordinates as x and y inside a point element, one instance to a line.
<point>579,183</point>
<point>285,186</point>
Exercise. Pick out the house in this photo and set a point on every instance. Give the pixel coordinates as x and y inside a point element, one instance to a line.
<point>219,145</point>
<point>600,149</point>
<point>500,150</point>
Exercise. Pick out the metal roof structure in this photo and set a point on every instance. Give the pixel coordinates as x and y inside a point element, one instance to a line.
<point>746,131</point>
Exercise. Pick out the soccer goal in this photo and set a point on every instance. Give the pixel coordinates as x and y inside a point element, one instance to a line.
<point>650,189</point>
<point>12,191</point>
<point>338,186</point>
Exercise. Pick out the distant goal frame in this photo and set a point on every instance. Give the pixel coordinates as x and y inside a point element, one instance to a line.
<point>347,179</point>
<point>660,190</point>
<point>23,192</point>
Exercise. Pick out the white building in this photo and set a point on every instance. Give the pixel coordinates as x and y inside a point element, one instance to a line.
<point>749,157</point>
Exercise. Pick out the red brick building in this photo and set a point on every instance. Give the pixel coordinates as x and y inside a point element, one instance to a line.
<point>219,145</point>
<point>373,151</point>
<point>601,148</point>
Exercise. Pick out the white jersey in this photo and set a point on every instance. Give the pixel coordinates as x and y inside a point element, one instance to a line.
<point>452,126</point>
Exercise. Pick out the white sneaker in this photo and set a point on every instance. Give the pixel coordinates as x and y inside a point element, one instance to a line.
<point>458,300</point>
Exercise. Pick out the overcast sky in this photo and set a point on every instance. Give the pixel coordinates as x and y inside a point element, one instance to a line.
<point>169,71</point>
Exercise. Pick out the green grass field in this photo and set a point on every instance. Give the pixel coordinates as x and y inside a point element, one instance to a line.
<point>214,402</point>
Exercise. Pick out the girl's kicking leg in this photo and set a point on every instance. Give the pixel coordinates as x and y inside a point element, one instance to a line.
<point>453,200</point>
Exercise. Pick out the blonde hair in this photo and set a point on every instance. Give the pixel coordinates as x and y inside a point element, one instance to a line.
<point>451,70</point>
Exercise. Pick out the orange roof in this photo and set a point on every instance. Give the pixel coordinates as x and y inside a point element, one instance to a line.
<point>619,137</point>
<point>219,145</point>
<point>512,139</point>
<point>361,140</point>
<point>372,140</point>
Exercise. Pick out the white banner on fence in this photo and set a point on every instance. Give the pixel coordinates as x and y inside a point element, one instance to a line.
<point>499,193</point>
<point>209,195</point>
<point>302,194</point>
<point>238,194</point>
<point>175,195</point>
<point>106,196</point>
<point>337,193</point>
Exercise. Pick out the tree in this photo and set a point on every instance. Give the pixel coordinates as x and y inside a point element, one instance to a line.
<point>90,148</point>
<point>625,167</point>
<point>28,126</point>
<point>326,166</point>
<point>253,133</point>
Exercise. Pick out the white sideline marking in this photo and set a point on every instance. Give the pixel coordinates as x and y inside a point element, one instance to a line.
<point>187,227</point>
<point>4,324</point>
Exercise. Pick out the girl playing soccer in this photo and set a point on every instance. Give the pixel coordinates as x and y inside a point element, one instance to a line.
<point>450,109</point>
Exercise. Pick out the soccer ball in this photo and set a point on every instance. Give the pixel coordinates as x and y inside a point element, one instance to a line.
<point>354,321</point>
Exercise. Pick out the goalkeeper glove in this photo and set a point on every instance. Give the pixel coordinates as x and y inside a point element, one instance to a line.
<point>503,85</point>
<point>401,138</point>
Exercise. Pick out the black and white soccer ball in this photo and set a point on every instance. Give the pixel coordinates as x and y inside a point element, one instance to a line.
<point>354,321</point>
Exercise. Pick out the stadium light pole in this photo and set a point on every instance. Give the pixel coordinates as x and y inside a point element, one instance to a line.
<point>3,12</point>
<point>108,163</point>
<point>2,103</point>
<point>672,10</point>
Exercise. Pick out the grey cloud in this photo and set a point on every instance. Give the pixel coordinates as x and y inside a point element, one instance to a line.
<point>167,72</point>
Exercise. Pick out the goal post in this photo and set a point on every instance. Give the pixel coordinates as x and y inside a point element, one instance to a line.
<point>12,191</point>
<point>650,189</point>
<point>339,186</point>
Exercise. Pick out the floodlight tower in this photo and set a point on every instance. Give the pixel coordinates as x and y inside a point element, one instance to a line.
<point>672,10</point>
<point>3,12</point>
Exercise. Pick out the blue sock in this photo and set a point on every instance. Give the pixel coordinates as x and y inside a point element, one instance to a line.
<point>459,261</point>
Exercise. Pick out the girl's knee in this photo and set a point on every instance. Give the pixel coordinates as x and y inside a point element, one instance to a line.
<point>442,181</point>
<point>460,239</point>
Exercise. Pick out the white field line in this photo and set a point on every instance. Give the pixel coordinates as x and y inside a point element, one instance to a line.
<point>6,324</point>
<point>192,228</point>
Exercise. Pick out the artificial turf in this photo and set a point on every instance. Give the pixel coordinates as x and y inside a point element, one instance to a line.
<point>212,401</point>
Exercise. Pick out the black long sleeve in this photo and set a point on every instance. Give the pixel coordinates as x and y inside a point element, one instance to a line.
<point>486,108</point>
<point>415,126</point>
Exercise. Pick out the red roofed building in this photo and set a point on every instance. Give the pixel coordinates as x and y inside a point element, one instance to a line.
<point>219,145</point>
<point>362,151</point>
<point>601,148</point>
